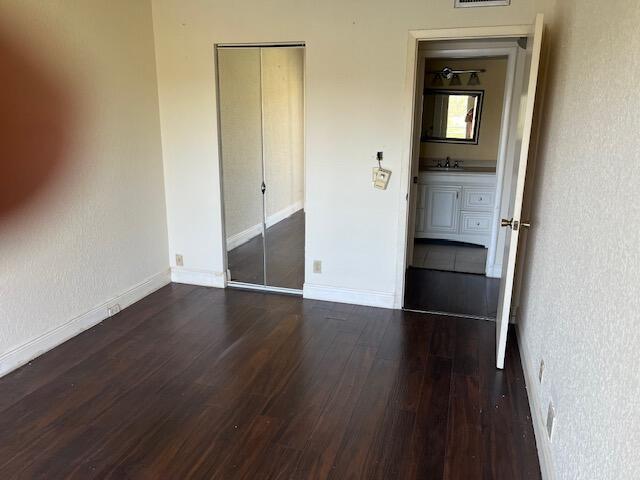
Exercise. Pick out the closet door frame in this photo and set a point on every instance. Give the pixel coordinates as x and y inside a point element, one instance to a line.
<point>227,281</point>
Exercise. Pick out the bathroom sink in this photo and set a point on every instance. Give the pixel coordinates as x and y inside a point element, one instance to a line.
<point>444,169</point>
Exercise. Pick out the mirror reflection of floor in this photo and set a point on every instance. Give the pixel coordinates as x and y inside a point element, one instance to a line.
<point>451,292</point>
<point>449,256</point>
<point>285,256</point>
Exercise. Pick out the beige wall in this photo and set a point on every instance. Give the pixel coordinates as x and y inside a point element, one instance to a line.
<point>355,72</point>
<point>241,137</point>
<point>98,227</point>
<point>256,85</point>
<point>493,85</point>
<point>283,105</point>
<point>581,301</point>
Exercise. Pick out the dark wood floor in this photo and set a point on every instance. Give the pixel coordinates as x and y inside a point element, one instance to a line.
<point>451,292</point>
<point>204,383</point>
<point>285,256</point>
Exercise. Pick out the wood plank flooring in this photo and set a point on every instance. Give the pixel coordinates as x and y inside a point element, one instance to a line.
<point>451,292</point>
<point>285,256</point>
<point>204,383</point>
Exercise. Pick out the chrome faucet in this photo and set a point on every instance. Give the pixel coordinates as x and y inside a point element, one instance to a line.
<point>448,163</point>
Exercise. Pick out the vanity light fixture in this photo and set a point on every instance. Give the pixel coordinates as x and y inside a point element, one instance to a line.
<point>474,79</point>
<point>454,76</point>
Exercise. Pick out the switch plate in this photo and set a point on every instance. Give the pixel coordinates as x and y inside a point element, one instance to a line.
<point>381,178</point>
<point>179,260</point>
<point>317,266</point>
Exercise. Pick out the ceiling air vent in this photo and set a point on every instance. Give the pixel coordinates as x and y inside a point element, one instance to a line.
<point>480,3</point>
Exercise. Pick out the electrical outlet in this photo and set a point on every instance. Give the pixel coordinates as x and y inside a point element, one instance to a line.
<point>317,266</point>
<point>551,417</point>
<point>113,309</point>
<point>179,260</point>
<point>541,370</point>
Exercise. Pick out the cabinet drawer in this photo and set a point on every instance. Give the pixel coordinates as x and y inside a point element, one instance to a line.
<point>474,223</point>
<point>478,198</point>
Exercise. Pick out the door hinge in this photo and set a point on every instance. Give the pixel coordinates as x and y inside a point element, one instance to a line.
<point>263,188</point>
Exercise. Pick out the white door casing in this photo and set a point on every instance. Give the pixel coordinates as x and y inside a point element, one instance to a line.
<point>534,48</point>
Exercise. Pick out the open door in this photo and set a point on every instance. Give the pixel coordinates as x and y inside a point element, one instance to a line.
<point>415,157</point>
<point>514,223</point>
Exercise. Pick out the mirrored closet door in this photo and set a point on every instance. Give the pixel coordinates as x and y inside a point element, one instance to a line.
<point>261,102</point>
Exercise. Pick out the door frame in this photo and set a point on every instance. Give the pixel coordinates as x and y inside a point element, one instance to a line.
<point>409,109</point>
<point>225,257</point>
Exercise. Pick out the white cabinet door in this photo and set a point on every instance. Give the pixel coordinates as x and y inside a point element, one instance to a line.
<point>443,209</point>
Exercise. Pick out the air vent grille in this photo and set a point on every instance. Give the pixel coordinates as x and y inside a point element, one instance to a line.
<point>481,3</point>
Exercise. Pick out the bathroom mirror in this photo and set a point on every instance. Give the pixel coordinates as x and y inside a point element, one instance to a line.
<point>451,116</point>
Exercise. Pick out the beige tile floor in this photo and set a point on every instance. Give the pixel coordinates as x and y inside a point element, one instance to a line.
<point>451,258</point>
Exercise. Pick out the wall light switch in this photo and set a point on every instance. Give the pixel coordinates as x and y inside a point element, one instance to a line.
<point>317,266</point>
<point>179,260</point>
<point>381,178</point>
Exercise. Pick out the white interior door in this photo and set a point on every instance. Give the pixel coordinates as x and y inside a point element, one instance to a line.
<point>514,223</point>
<point>415,160</point>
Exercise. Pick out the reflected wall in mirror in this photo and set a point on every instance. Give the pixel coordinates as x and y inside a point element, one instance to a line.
<point>261,112</point>
<point>452,116</point>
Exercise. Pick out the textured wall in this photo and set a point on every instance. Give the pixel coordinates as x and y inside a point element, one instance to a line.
<point>581,304</point>
<point>99,226</point>
<point>241,137</point>
<point>283,105</point>
<point>253,88</point>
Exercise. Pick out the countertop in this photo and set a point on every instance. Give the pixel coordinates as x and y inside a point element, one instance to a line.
<point>485,170</point>
<point>470,166</point>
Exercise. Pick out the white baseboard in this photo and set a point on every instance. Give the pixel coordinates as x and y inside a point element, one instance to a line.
<point>284,213</point>
<point>35,347</point>
<point>539,427</point>
<point>243,237</point>
<point>203,278</point>
<point>348,295</point>
<point>495,271</point>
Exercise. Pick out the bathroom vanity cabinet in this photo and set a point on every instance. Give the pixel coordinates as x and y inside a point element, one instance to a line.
<point>456,206</point>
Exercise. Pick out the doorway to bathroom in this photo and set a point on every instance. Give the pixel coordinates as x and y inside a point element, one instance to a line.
<point>465,104</point>
<point>473,93</point>
<point>261,127</point>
